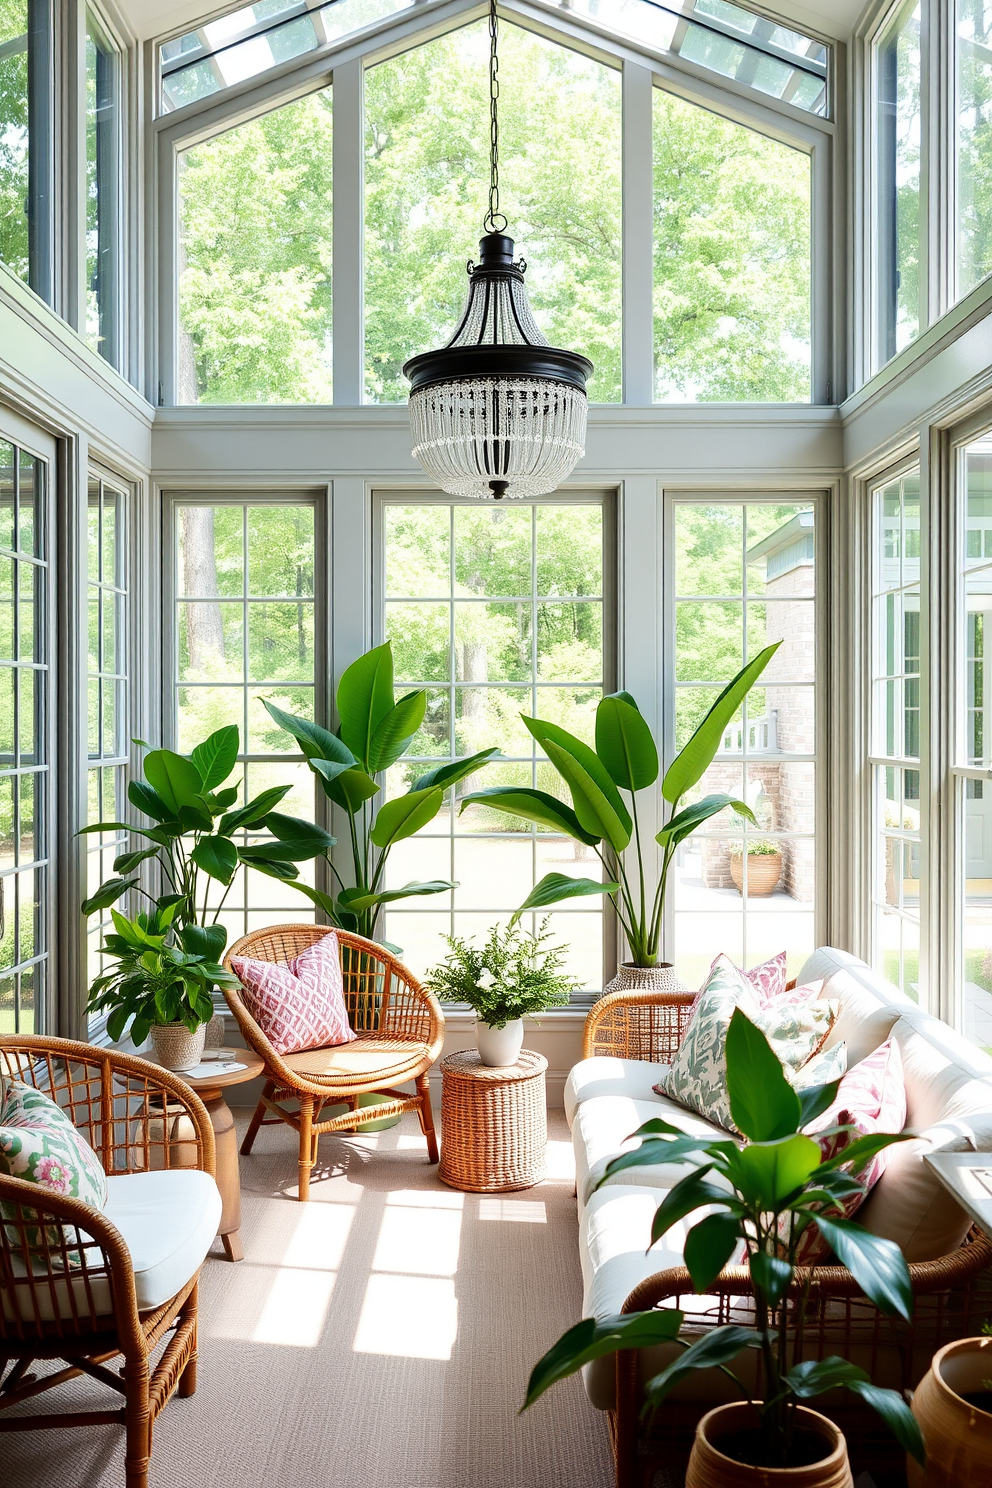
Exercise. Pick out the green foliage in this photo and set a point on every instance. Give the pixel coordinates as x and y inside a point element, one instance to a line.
<point>757,847</point>
<point>14,137</point>
<point>193,844</point>
<point>511,976</point>
<point>625,759</point>
<point>154,981</point>
<point>778,1184</point>
<point>375,731</point>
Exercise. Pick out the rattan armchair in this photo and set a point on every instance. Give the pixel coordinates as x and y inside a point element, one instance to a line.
<point>952,1295</point>
<point>76,1300</point>
<point>400,1028</point>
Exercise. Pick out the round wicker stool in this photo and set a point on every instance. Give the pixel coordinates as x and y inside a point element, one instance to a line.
<point>494,1122</point>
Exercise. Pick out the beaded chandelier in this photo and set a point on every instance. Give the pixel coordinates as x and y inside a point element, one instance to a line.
<point>498,411</point>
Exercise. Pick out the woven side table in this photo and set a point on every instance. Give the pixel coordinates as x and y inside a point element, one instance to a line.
<point>494,1122</point>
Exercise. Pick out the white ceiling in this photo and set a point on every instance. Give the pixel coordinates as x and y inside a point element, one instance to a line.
<point>157,17</point>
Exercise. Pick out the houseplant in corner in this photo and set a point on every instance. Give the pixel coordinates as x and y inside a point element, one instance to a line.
<point>167,958</point>
<point>509,978</point>
<point>626,759</point>
<point>768,1194</point>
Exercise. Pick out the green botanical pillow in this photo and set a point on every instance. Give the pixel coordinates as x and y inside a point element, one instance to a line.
<point>795,1028</point>
<point>39,1144</point>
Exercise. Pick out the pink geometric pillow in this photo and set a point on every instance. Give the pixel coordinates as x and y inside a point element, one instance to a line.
<point>300,1005</point>
<point>872,1098</point>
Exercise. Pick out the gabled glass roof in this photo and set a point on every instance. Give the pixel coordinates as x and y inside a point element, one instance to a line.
<point>723,38</point>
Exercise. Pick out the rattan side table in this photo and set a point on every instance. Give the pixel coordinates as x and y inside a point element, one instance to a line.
<point>494,1122</point>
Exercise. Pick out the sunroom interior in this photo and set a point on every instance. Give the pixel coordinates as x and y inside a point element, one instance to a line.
<point>223,233</point>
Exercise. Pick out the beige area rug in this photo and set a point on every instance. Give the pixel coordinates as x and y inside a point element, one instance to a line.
<point>380,1336</point>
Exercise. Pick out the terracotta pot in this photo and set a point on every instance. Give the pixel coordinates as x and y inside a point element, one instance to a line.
<point>631,978</point>
<point>763,872</point>
<point>957,1436</point>
<point>710,1468</point>
<point>176,1048</point>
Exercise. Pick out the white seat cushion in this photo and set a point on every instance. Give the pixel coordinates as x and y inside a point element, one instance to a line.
<point>604,1074</point>
<point>167,1220</point>
<point>601,1129</point>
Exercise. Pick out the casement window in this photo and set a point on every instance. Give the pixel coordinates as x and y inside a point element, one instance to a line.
<point>898,802</point>
<point>744,575</point>
<point>896,105</point>
<point>498,612</point>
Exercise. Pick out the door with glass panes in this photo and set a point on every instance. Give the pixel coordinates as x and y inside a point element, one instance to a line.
<point>27,467</point>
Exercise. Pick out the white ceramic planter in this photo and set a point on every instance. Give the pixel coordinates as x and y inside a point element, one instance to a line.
<point>176,1048</point>
<point>500,1046</point>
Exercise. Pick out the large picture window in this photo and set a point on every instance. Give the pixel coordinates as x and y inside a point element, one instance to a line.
<point>498,611</point>
<point>974,142</point>
<point>26,152</point>
<point>103,191</point>
<point>744,577</point>
<point>255,260</point>
<point>25,763</point>
<point>244,629</point>
<point>897,798</point>
<point>426,182</point>
<point>731,260</point>
<point>896,235</point>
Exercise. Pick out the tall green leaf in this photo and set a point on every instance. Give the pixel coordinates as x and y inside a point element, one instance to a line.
<point>877,1265</point>
<point>762,1102</point>
<point>533,806</point>
<point>596,799</point>
<point>696,757</point>
<point>454,770</point>
<point>357,902</point>
<point>254,812</point>
<point>316,742</point>
<point>396,730</point>
<point>709,1246</point>
<point>215,757</point>
<point>766,1173</point>
<point>592,1339</point>
<point>405,815</point>
<point>365,696</point>
<point>554,887</point>
<point>150,802</point>
<point>684,823</point>
<point>217,856</point>
<point>625,744</point>
<point>349,789</point>
<point>717,1346</point>
<point>107,894</point>
<point>175,778</point>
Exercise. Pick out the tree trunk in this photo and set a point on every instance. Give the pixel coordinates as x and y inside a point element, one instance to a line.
<point>204,630</point>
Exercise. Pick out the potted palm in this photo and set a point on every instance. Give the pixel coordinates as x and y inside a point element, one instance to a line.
<point>512,976</point>
<point>768,1194</point>
<point>167,958</point>
<point>625,760</point>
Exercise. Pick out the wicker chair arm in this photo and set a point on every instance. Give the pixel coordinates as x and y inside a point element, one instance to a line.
<point>621,1024</point>
<point>825,1283</point>
<point>112,1257</point>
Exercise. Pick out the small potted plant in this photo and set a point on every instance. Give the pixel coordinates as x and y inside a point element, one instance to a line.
<point>168,958</point>
<point>764,866</point>
<point>770,1193</point>
<point>514,975</point>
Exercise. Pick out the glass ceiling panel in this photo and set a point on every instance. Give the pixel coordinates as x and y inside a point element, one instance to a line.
<point>723,38</point>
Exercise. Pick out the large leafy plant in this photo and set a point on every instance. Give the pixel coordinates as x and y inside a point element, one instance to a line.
<point>770,1192</point>
<point>625,759</point>
<point>375,730</point>
<point>198,837</point>
<point>512,975</point>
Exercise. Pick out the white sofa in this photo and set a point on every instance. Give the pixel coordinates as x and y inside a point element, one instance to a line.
<point>608,1096</point>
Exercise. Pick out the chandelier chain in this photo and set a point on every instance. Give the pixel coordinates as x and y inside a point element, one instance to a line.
<point>495,221</point>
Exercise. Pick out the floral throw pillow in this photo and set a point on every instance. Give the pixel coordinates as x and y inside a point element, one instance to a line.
<point>39,1144</point>
<point>698,1075</point>
<point>767,980</point>
<point>300,1005</point>
<point>871,1097</point>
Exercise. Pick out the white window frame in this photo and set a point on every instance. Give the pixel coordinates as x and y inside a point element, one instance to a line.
<point>342,66</point>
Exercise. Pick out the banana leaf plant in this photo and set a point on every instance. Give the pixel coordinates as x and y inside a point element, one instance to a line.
<point>375,730</point>
<point>769,1193</point>
<point>197,838</point>
<point>625,759</point>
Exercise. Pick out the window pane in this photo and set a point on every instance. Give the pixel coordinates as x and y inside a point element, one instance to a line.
<point>426,182</point>
<point>974,122</point>
<point>255,260</point>
<point>25,142</point>
<point>103,101</point>
<point>731,261</point>
<point>897,181</point>
<point>747,889</point>
<point>489,661</point>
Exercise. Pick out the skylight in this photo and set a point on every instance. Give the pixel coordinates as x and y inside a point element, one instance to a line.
<point>723,38</point>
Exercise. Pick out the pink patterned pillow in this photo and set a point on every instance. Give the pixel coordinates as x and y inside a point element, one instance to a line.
<point>300,1005</point>
<point>767,980</point>
<point>872,1098</point>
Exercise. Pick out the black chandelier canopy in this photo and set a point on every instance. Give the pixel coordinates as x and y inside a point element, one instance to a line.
<point>498,411</point>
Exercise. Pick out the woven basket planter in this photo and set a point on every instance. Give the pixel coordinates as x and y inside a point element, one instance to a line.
<point>631,978</point>
<point>494,1123</point>
<point>763,873</point>
<point>176,1048</point>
